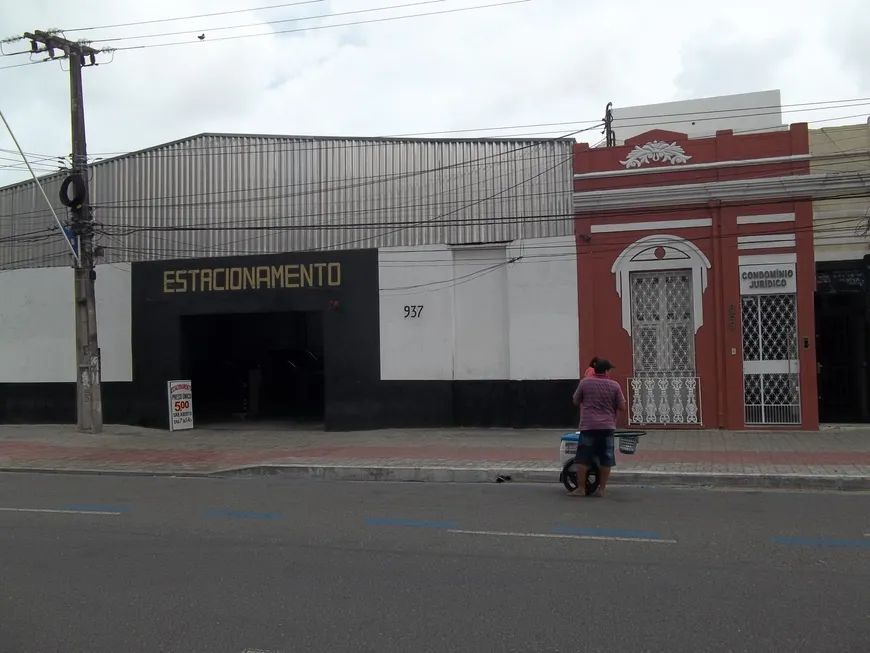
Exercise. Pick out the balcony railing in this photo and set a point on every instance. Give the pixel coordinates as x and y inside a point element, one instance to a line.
<point>664,400</point>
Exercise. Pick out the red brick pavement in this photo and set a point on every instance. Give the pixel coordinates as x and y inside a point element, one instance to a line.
<point>842,452</point>
<point>33,451</point>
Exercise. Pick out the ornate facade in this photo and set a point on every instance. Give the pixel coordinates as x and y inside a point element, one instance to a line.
<point>701,296</point>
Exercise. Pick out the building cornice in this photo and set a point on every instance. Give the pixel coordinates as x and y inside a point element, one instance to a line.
<point>830,185</point>
<point>715,165</point>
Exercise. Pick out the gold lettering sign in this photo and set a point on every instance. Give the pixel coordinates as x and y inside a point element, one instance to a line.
<point>259,277</point>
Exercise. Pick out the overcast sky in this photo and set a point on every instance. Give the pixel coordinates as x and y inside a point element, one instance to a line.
<point>541,61</point>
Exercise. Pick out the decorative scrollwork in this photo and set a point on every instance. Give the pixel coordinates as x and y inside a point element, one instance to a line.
<point>655,152</point>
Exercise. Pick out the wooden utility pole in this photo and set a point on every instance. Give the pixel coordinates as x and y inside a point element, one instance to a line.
<point>89,404</point>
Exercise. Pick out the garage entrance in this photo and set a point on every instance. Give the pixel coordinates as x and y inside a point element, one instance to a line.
<point>255,366</point>
<point>842,342</point>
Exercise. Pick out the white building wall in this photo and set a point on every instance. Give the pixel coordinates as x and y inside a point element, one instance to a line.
<point>480,296</point>
<point>702,117</point>
<point>114,320</point>
<point>480,316</point>
<point>417,341</point>
<point>37,324</point>
<point>840,225</point>
<point>544,332</point>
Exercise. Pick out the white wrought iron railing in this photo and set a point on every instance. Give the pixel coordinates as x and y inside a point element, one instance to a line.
<point>664,400</point>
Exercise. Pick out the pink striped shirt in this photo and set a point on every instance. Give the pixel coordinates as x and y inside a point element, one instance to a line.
<point>599,397</point>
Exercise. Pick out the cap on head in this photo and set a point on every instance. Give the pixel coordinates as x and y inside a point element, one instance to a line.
<point>603,366</point>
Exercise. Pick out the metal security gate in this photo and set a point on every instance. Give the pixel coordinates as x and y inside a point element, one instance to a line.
<point>664,389</point>
<point>771,378</point>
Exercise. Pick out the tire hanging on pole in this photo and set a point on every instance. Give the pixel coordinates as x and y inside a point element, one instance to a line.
<point>79,191</point>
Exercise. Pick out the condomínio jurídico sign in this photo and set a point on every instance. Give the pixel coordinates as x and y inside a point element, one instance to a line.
<point>768,279</point>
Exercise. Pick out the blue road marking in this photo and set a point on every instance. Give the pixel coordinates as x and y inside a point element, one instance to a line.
<point>605,532</point>
<point>242,515</point>
<point>810,541</point>
<point>81,508</point>
<point>385,521</point>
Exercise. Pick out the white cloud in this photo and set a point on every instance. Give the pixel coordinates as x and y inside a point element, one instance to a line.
<point>539,62</point>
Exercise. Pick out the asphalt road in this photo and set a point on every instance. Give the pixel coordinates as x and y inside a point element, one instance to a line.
<point>109,564</point>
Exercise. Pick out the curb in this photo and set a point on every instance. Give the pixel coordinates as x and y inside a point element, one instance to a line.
<point>108,472</point>
<point>551,475</point>
<point>490,475</point>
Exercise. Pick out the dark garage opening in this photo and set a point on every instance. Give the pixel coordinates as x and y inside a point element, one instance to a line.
<point>255,366</point>
<point>842,342</point>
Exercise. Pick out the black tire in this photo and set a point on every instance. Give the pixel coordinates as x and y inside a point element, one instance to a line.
<point>593,480</point>
<point>79,194</point>
<point>569,478</point>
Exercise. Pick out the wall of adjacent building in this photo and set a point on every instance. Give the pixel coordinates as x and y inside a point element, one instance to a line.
<point>840,226</point>
<point>702,117</point>
<point>486,313</point>
<point>37,324</point>
<point>229,195</point>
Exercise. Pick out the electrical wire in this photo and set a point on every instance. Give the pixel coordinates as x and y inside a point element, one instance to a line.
<point>404,227</point>
<point>570,256</point>
<point>320,142</point>
<point>153,152</point>
<point>339,143</point>
<point>320,185</point>
<point>745,169</point>
<point>268,22</point>
<point>209,250</point>
<point>343,210</point>
<point>441,12</point>
<point>396,177</point>
<point>261,231</point>
<point>316,220</point>
<point>178,18</point>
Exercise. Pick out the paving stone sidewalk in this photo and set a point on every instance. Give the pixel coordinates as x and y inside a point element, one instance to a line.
<point>831,456</point>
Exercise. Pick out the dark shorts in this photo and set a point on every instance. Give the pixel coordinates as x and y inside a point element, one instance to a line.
<point>596,444</point>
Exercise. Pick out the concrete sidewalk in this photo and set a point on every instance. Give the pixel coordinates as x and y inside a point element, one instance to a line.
<point>830,459</point>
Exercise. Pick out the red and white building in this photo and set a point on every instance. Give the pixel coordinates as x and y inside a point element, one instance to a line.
<point>696,275</point>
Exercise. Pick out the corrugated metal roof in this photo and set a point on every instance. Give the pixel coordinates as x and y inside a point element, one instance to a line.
<point>223,194</point>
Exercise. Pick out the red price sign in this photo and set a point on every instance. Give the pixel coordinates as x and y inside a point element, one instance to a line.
<point>180,405</point>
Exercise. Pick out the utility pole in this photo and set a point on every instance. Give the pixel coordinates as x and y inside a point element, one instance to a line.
<point>608,125</point>
<point>74,194</point>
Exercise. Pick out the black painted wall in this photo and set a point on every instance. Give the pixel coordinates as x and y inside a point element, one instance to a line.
<point>350,322</point>
<point>356,398</point>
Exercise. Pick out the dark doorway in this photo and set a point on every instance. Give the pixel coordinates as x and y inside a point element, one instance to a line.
<point>255,366</point>
<point>842,342</point>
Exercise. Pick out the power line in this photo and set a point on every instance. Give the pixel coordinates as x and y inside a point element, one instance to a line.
<point>232,246</point>
<point>400,176</point>
<point>322,27</point>
<point>346,210</point>
<point>822,232</point>
<point>445,284</point>
<point>323,189</point>
<point>320,185</point>
<point>367,141</point>
<point>177,18</point>
<point>268,22</point>
<point>335,142</point>
<point>292,31</point>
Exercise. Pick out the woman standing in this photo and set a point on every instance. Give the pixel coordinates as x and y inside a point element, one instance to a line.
<point>591,369</point>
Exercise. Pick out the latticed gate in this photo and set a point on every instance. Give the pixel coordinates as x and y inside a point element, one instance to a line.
<point>664,388</point>
<point>771,378</point>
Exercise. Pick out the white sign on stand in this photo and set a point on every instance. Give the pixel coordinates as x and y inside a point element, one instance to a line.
<point>180,405</point>
<point>768,279</point>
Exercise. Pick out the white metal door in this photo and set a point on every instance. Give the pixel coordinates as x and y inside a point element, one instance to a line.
<point>664,387</point>
<point>771,372</point>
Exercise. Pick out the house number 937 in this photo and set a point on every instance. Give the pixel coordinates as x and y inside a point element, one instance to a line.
<point>413,311</point>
